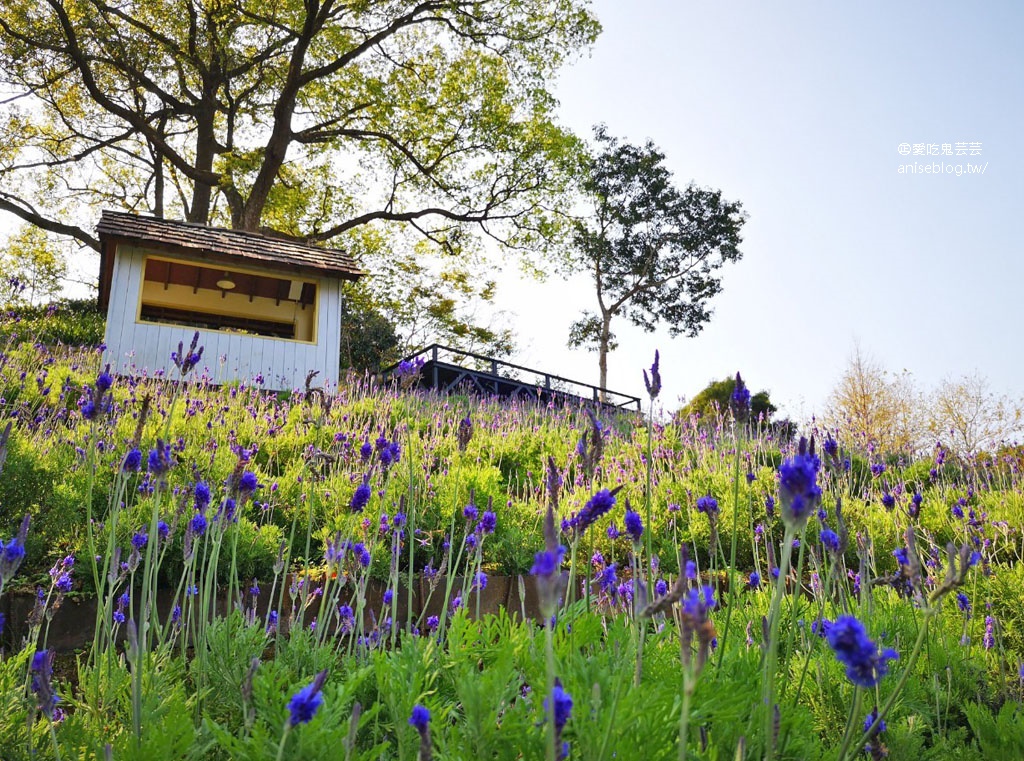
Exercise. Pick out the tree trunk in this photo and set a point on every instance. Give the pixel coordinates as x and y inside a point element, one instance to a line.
<point>202,193</point>
<point>602,357</point>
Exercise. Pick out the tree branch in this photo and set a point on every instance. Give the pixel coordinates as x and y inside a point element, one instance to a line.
<point>20,209</point>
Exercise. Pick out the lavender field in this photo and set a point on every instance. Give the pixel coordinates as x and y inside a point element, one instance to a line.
<point>311,576</point>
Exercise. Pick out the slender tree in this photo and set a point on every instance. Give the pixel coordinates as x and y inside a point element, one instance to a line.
<point>652,251</point>
<point>875,411</point>
<point>967,416</point>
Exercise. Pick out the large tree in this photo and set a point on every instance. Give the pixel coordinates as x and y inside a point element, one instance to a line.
<point>316,118</point>
<point>652,251</point>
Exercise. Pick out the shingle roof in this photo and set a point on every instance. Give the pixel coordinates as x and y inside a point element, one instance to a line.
<point>229,243</point>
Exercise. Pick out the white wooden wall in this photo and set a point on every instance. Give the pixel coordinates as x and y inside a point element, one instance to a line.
<point>134,347</point>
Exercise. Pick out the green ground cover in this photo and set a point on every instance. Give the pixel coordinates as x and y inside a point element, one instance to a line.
<point>154,484</point>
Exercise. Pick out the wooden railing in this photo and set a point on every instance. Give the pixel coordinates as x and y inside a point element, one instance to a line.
<point>444,369</point>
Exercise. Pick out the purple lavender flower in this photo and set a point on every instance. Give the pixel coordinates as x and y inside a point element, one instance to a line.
<point>465,432</point>
<point>139,540</point>
<point>362,554</point>
<point>132,461</point>
<point>420,718</point>
<point>201,495</point>
<point>198,524</point>
<point>185,361</point>
<point>307,701</point>
<point>707,505</point>
<point>829,540</point>
<point>248,483</point>
<point>989,639</point>
<point>88,408</point>
<point>653,383</point>
<point>42,683</point>
<point>831,447</point>
<point>740,399</point>
<point>13,552</point>
<point>754,581</point>
<point>488,522</point>
<point>346,619</point>
<point>865,665</point>
<point>915,505</point>
<point>228,509</point>
<point>607,579</point>
<point>798,488</point>
<point>470,512</point>
<point>547,563</point>
<point>697,603</point>
<point>873,748</point>
<point>599,504</point>
<point>634,525</point>
<point>361,497</point>
<point>559,707</point>
<point>104,381</point>
<point>821,627</point>
<point>888,501</point>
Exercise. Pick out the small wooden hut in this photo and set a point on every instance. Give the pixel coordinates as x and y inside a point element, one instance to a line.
<point>268,309</point>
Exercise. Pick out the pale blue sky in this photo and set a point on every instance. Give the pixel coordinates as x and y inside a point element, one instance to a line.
<point>797,109</point>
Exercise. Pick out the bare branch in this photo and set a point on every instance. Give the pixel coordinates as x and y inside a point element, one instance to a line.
<point>25,211</point>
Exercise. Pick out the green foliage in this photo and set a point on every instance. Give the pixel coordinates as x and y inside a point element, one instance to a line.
<point>715,398</point>
<point>431,301</point>
<point>13,728</point>
<point>314,121</point>
<point>96,718</point>
<point>998,735</point>
<point>325,737</point>
<point>368,339</point>
<point>33,267</point>
<point>67,322</point>
<point>231,644</point>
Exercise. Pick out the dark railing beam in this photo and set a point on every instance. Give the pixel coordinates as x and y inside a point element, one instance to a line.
<point>494,378</point>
